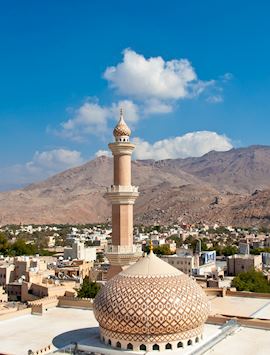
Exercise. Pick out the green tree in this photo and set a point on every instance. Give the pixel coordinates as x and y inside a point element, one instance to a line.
<point>88,289</point>
<point>178,240</point>
<point>258,251</point>
<point>161,250</point>
<point>100,257</point>
<point>3,244</point>
<point>252,281</point>
<point>229,250</point>
<point>21,248</point>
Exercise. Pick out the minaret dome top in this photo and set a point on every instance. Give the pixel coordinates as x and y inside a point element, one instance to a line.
<point>121,129</point>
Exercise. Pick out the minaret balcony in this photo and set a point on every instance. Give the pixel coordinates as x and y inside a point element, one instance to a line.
<point>120,188</point>
<point>125,195</point>
<point>124,249</point>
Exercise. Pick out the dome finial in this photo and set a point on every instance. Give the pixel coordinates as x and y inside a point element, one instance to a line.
<point>121,129</point>
<point>121,113</point>
<point>151,248</point>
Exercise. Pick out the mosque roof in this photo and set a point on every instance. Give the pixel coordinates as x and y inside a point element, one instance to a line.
<point>150,265</point>
<point>151,297</point>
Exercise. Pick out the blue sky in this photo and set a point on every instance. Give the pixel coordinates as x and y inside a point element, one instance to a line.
<point>199,68</point>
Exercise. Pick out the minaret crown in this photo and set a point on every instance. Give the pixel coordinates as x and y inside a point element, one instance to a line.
<point>121,131</point>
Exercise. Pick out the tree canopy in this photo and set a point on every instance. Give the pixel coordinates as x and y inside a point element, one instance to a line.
<point>19,247</point>
<point>252,281</point>
<point>88,289</point>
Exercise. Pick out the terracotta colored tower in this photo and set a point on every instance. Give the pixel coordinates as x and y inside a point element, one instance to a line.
<point>122,195</point>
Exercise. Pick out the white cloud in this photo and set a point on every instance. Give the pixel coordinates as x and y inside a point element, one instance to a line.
<point>92,119</point>
<point>42,165</point>
<point>214,99</point>
<point>131,110</point>
<point>153,85</point>
<point>89,118</point>
<point>227,77</point>
<point>192,144</point>
<point>143,78</point>
<point>101,153</point>
<point>56,159</point>
<point>154,106</point>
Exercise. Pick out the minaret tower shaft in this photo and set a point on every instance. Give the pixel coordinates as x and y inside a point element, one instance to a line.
<point>122,196</point>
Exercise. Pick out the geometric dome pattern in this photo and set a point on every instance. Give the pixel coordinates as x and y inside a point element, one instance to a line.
<point>121,128</point>
<point>151,304</point>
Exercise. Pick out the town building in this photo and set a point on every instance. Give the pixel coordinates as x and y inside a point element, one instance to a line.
<point>242,263</point>
<point>183,262</point>
<point>80,251</point>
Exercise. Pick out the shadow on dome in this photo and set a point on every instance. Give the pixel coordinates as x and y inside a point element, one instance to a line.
<point>81,336</point>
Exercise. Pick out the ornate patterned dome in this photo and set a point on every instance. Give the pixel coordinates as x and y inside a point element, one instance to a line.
<point>151,301</point>
<point>121,129</point>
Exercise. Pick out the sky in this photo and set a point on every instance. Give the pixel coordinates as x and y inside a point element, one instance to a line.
<point>191,76</point>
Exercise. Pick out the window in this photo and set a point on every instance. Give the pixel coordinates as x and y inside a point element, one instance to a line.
<point>155,347</point>
<point>129,346</point>
<point>196,340</point>
<point>180,344</point>
<point>118,345</point>
<point>142,347</point>
<point>189,342</point>
<point>109,342</point>
<point>168,346</point>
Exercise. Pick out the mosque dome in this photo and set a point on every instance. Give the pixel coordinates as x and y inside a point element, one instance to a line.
<point>151,305</point>
<point>121,129</point>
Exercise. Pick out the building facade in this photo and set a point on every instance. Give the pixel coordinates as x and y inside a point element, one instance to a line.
<point>242,263</point>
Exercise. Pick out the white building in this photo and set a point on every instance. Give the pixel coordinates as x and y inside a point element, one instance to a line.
<point>80,251</point>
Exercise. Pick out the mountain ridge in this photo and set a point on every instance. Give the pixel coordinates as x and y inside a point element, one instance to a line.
<point>217,187</point>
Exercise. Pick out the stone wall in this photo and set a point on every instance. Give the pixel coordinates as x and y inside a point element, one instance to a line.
<point>14,314</point>
<point>247,294</point>
<point>43,304</point>
<point>244,321</point>
<point>72,302</point>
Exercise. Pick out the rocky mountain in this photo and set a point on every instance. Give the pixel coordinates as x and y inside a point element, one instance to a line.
<point>225,187</point>
<point>237,170</point>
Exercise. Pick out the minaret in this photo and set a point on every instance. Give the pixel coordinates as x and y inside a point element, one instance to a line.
<point>122,195</point>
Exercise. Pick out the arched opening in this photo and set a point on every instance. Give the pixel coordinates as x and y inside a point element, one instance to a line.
<point>155,347</point>
<point>180,344</point>
<point>168,346</point>
<point>118,345</point>
<point>129,346</point>
<point>189,342</point>
<point>197,340</point>
<point>142,347</point>
<point>103,339</point>
<point>109,342</point>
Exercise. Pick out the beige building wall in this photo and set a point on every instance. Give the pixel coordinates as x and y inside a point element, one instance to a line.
<point>6,274</point>
<point>243,263</point>
<point>3,295</point>
<point>182,263</point>
<point>122,219</point>
<point>122,170</point>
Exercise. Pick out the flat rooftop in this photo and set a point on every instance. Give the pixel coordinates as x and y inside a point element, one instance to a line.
<point>20,334</point>
<point>62,326</point>
<point>241,306</point>
<point>244,341</point>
